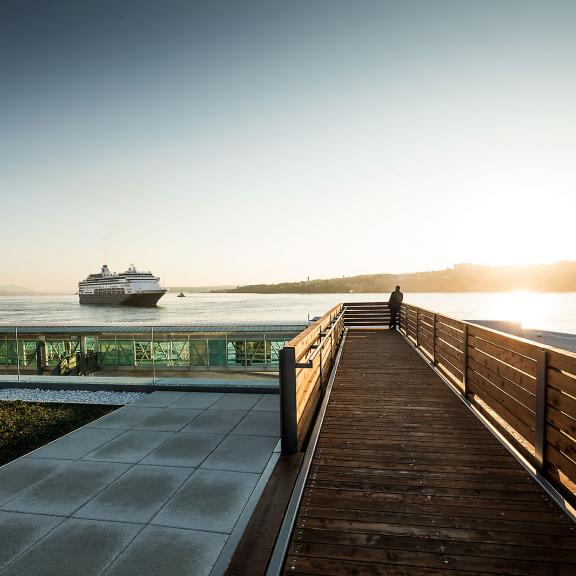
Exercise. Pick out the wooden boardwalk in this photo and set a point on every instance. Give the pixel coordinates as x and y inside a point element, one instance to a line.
<point>406,481</point>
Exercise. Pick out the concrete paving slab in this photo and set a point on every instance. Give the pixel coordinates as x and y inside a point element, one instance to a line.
<point>211,500</point>
<point>216,421</point>
<point>199,400</point>
<point>236,402</point>
<point>124,418</point>
<point>77,444</point>
<point>168,419</point>
<point>259,423</point>
<point>136,496</point>
<point>23,473</point>
<point>158,550</point>
<point>184,449</point>
<point>242,454</point>
<point>66,490</point>
<point>269,403</point>
<point>75,548</point>
<point>159,399</point>
<point>130,447</point>
<point>18,532</point>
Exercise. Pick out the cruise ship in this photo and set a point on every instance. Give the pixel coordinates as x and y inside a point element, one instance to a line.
<point>130,288</point>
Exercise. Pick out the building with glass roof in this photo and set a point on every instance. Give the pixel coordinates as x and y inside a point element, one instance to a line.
<point>137,346</point>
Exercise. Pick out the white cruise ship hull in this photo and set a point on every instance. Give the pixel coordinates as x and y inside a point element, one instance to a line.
<point>147,300</point>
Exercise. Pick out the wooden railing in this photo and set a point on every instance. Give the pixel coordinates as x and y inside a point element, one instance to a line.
<point>525,390</point>
<point>305,366</point>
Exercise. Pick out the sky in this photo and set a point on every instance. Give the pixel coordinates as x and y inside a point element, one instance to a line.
<point>225,142</point>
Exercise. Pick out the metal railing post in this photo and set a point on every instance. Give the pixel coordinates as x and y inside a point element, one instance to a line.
<point>152,356</point>
<point>17,356</point>
<point>288,424</point>
<point>540,427</point>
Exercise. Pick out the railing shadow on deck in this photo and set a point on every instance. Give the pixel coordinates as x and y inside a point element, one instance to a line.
<point>525,390</point>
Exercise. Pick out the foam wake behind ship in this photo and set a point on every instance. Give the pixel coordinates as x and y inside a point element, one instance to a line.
<point>130,288</point>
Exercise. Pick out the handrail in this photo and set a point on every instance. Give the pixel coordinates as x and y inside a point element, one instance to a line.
<point>318,347</point>
<point>305,363</point>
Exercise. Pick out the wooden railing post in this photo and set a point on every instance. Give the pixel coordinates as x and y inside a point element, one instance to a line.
<point>434,339</point>
<point>540,424</point>
<point>465,361</point>
<point>417,328</point>
<point>405,307</point>
<point>288,423</point>
<point>321,376</point>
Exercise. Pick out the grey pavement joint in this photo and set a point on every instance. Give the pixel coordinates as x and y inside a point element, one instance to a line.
<point>211,500</point>
<point>125,418</point>
<point>236,402</point>
<point>76,444</point>
<point>23,473</point>
<point>66,490</point>
<point>198,400</point>
<point>18,532</point>
<point>75,548</point>
<point>159,399</point>
<point>131,447</point>
<point>269,402</point>
<point>190,553</point>
<point>136,496</point>
<point>216,421</point>
<point>168,419</point>
<point>242,454</point>
<point>184,449</point>
<point>259,423</point>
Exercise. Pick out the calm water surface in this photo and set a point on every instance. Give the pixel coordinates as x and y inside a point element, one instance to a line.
<point>544,311</point>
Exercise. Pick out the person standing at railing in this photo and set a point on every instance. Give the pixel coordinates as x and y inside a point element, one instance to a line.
<point>395,303</point>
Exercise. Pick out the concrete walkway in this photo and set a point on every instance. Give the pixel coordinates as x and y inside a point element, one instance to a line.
<point>160,487</point>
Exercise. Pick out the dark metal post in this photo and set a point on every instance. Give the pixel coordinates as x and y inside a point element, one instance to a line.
<point>540,434</point>
<point>40,355</point>
<point>465,361</point>
<point>288,424</point>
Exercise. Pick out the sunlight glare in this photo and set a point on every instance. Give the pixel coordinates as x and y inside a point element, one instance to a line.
<point>530,309</point>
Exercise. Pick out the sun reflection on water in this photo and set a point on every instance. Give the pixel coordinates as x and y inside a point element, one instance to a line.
<point>530,309</point>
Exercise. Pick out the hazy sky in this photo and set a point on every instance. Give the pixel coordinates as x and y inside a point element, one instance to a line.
<point>225,142</point>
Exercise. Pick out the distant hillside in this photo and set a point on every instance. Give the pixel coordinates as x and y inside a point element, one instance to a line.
<point>560,277</point>
<point>12,290</point>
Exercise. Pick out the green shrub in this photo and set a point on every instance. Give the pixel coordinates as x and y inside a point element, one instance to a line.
<point>25,426</point>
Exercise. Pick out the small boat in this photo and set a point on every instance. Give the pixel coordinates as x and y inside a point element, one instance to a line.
<point>181,295</point>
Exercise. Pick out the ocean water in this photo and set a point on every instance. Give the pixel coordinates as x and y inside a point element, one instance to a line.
<point>545,311</point>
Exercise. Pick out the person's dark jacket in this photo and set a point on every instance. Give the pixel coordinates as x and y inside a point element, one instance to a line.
<point>395,299</point>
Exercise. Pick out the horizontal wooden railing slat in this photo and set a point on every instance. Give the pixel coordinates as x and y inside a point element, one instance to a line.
<point>499,372</point>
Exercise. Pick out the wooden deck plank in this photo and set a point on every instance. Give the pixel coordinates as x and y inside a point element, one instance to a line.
<point>406,481</point>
